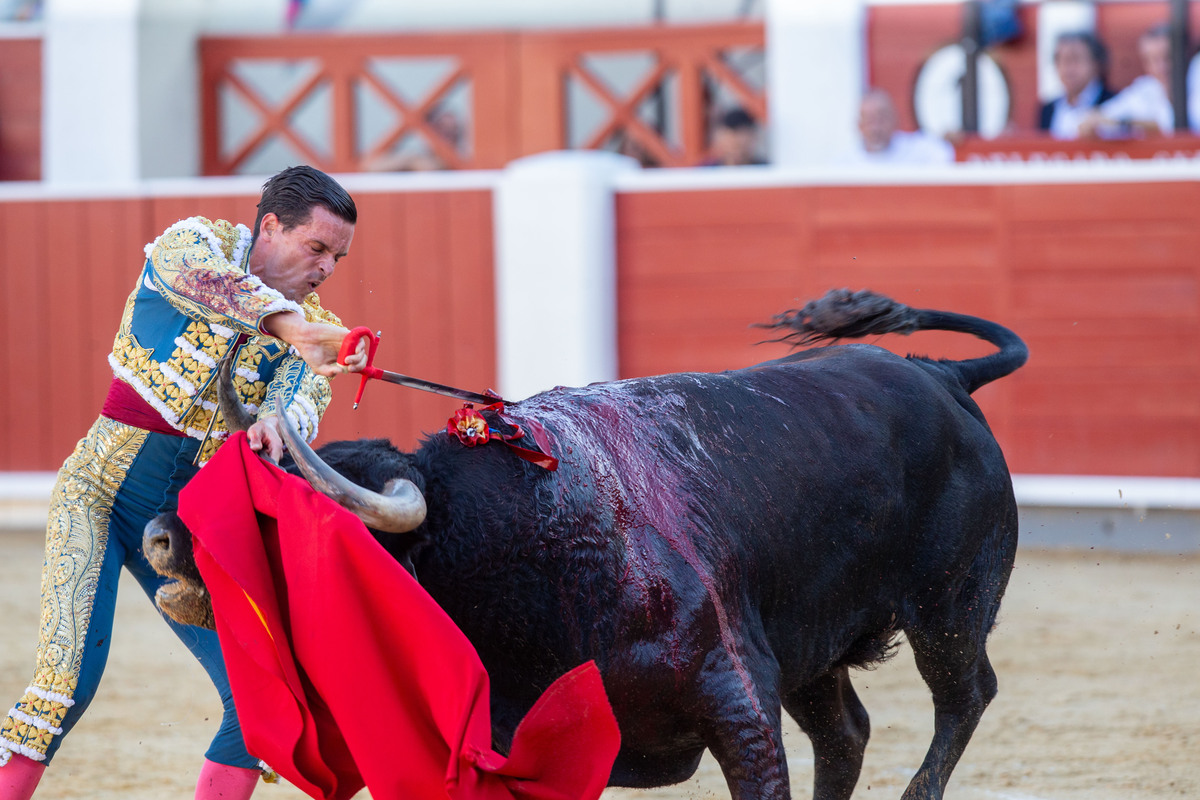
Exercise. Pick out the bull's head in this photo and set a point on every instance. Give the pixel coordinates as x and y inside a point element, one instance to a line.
<point>397,509</point>
<point>168,546</point>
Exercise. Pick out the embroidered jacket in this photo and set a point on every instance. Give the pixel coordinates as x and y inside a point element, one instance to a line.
<point>193,300</point>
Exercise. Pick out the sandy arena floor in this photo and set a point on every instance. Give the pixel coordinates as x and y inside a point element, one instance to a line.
<point>1098,656</point>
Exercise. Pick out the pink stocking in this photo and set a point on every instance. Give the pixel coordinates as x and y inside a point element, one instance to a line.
<point>19,777</point>
<point>221,782</point>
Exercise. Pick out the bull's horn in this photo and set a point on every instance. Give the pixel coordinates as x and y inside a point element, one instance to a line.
<point>399,509</point>
<point>236,417</point>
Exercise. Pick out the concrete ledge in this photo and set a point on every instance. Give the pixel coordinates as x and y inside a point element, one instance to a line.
<point>1131,514</point>
<point>24,497</point>
<point>1152,530</point>
<point>1101,491</point>
<point>26,486</point>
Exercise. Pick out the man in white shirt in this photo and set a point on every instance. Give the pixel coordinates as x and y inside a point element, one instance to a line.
<point>1143,108</point>
<point>882,143</point>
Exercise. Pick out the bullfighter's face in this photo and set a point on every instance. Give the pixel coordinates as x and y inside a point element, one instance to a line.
<point>168,547</point>
<point>295,261</point>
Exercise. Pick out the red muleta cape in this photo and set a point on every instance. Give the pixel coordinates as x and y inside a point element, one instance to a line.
<point>346,673</point>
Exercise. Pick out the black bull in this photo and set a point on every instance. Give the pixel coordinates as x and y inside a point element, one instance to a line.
<point>726,544</point>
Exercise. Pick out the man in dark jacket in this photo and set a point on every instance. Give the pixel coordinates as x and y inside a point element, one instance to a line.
<point>1081,61</point>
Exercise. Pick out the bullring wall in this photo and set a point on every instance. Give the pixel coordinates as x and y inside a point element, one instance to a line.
<point>1100,278</point>
<point>420,271</point>
<point>1097,272</point>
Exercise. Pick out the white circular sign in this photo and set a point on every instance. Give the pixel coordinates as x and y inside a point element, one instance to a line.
<point>937,96</point>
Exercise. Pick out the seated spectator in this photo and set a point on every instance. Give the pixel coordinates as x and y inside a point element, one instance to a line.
<point>626,145</point>
<point>882,141</point>
<point>1143,108</point>
<point>1081,60</point>
<point>734,141</point>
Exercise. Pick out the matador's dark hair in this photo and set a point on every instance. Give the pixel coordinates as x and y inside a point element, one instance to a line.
<point>292,194</point>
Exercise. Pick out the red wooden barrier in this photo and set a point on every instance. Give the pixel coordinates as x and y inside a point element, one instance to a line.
<point>518,87</point>
<point>1032,147</point>
<point>66,285</point>
<point>340,71</point>
<point>420,270</point>
<point>1100,280</point>
<point>695,56</point>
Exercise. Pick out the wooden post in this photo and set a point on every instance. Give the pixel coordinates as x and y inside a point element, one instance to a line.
<point>1179,62</point>
<point>972,45</point>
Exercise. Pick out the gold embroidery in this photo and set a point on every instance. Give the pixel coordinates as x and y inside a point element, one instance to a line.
<point>179,388</point>
<point>193,266</point>
<point>314,312</point>
<point>76,538</point>
<point>198,260</point>
<point>208,449</point>
<point>179,384</point>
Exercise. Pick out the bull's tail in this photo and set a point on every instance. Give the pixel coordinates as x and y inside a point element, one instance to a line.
<point>842,314</point>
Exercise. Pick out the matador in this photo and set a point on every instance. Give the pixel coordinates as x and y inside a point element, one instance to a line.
<point>207,291</point>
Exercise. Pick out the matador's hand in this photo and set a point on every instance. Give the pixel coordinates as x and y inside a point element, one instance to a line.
<point>264,435</point>
<point>317,343</point>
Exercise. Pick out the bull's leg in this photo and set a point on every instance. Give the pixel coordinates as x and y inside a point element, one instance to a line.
<point>830,713</point>
<point>949,643</point>
<point>742,730</point>
<point>962,682</point>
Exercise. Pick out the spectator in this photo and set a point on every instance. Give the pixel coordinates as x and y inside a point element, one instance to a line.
<point>1143,108</point>
<point>882,141</point>
<point>626,145</point>
<point>1081,61</point>
<point>734,141</point>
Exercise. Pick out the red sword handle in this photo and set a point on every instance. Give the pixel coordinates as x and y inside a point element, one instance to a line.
<point>349,345</point>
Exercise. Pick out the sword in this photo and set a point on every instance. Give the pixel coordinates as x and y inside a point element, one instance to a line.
<point>350,344</point>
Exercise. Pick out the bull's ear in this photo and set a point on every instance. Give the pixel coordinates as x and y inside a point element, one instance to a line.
<point>167,545</point>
